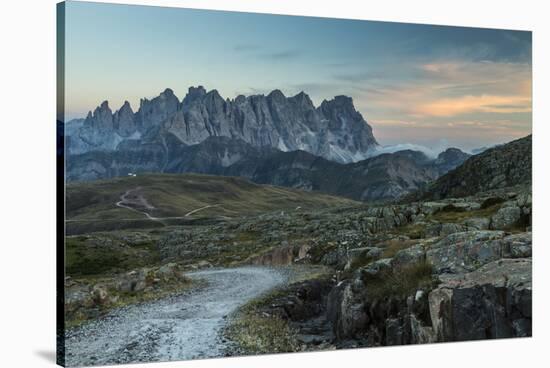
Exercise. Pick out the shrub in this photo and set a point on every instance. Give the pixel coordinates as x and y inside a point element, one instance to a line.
<point>400,281</point>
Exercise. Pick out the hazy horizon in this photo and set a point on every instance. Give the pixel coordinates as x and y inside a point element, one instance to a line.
<point>428,85</point>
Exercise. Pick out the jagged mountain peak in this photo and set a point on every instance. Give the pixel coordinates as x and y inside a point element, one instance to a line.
<point>339,101</point>
<point>126,106</point>
<point>193,94</point>
<point>335,130</point>
<point>276,95</point>
<point>302,99</point>
<point>167,92</point>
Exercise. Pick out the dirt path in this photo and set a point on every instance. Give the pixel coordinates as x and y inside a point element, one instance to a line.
<point>200,209</point>
<point>176,328</point>
<point>140,201</point>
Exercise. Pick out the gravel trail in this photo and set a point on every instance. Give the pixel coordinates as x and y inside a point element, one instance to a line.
<point>180,327</point>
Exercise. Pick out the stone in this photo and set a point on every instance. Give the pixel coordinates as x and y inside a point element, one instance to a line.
<point>374,268</point>
<point>517,245</point>
<point>505,218</point>
<point>394,332</point>
<point>409,256</point>
<point>464,252</point>
<point>429,208</point>
<point>348,315</point>
<point>477,223</point>
<point>100,294</point>
<point>491,302</point>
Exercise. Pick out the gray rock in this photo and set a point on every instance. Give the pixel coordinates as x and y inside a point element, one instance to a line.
<point>478,223</point>
<point>429,208</point>
<point>491,302</point>
<point>444,229</point>
<point>406,257</point>
<point>464,252</point>
<point>376,267</point>
<point>347,314</point>
<point>517,245</point>
<point>334,130</point>
<point>505,218</point>
<point>394,332</point>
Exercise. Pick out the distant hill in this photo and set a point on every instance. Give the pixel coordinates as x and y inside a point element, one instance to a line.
<point>498,167</point>
<point>383,177</point>
<point>152,200</point>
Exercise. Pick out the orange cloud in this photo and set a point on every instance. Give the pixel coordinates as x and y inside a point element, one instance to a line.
<point>471,104</point>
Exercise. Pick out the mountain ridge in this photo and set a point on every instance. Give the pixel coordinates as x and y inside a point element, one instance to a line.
<point>334,130</point>
<point>495,168</point>
<point>381,177</point>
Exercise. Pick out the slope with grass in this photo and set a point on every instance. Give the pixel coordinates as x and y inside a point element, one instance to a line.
<point>153,200</point>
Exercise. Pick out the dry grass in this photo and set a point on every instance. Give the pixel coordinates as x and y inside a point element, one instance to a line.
<point>453,215</point>
<point>400,282</point>
<point>392,246</point>
<point>261,334</point>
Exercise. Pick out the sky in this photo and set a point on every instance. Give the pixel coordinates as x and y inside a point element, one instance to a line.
<point>426,85</point>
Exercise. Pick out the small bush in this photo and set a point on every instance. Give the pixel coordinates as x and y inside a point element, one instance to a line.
<point>401,281</point>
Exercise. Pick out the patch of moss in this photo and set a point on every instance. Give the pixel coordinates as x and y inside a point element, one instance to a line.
<point>459,215</point>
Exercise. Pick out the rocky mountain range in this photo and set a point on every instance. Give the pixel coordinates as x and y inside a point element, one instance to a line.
<point>334,130</point>
<point>381,177</point>
<point>268,139</point>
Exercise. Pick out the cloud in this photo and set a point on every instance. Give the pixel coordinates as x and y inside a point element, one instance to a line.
<point>474,104</point>
<point>281,55</point>
<point>430,152</point>
<point>259,51</point>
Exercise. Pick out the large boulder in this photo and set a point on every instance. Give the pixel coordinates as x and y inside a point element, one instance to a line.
<point>506,217</point>
<point>517,245</point>
<point>477,223</point>
<point>411,255</point>
<point>491,302</point>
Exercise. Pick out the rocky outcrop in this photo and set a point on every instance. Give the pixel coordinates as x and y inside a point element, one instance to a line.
<point>467,251</point>
<point>480,288</point>
<point>503,166</point>
<point>492,302</point>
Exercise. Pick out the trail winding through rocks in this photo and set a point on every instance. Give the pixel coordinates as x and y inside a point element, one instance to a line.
<point>180,327</point>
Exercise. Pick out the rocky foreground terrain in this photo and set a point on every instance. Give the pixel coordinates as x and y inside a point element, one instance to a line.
<point>437,266</point>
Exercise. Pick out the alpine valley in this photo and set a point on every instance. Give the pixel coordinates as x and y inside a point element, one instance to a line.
<point>273,139</point>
